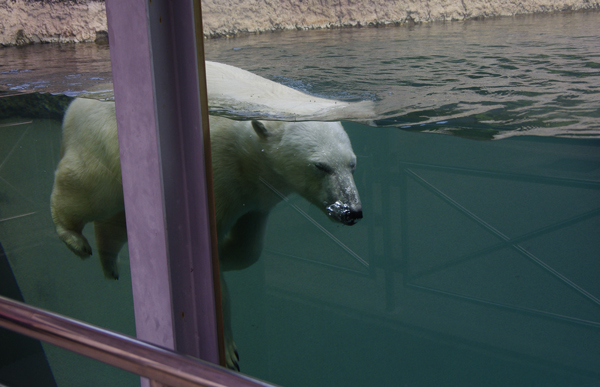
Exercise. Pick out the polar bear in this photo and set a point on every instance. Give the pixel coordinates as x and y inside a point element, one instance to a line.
<point>255,165</point>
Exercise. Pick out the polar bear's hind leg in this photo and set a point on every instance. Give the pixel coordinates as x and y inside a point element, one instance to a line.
<point>111,235</point>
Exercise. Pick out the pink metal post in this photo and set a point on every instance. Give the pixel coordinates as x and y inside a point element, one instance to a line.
<point>161,115</point>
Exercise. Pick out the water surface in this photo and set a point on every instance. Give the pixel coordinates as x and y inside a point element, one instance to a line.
<point>484,79</point>
<point>492,78</point>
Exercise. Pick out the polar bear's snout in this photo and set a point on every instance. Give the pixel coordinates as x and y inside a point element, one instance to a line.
<point>352,215</point>
<point>345,213</point>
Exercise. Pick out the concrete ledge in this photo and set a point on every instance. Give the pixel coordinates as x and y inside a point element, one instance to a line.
<point>30,21</point>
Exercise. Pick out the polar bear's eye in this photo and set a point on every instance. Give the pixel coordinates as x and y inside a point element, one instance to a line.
<point>324,167</point>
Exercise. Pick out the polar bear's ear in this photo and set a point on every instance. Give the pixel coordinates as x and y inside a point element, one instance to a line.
<point>260,129</point>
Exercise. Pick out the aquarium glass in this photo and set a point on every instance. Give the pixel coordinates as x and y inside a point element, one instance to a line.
<point>475,262</point>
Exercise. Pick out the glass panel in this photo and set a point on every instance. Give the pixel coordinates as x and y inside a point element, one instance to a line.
<point>71,369</point>
<point>482,269</point>
<point>68,369</point>
<point>476,261</point>
<point>35,266</point>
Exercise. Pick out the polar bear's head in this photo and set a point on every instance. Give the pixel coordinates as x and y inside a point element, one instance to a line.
<point>315,160</point>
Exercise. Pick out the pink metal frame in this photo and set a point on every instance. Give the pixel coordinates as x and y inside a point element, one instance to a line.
<point>158,73</point>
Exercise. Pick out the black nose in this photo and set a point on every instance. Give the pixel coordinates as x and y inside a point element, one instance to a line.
<point>353,216</point>
<point>356,214</point>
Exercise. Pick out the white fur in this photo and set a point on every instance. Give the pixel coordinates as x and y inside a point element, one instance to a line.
<point>233,89</point>
<point>87,185</point>
<point>254,164</point>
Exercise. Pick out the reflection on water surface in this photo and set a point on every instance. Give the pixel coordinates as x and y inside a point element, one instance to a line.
<point>493,78</point>
<point>536,75</point>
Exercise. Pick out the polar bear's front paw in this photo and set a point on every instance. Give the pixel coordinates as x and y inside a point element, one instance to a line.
<point>232,357</point>
<point>76,243</point>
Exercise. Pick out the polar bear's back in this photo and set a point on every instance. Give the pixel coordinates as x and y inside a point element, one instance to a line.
<point>233,89</point>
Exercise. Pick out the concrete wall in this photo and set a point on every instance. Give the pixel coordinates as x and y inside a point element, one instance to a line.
<point>31,21</point>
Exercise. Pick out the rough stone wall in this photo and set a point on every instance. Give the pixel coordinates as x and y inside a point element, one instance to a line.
<point>25,22</point>
<point>230,17</point>
<point>30,21</point>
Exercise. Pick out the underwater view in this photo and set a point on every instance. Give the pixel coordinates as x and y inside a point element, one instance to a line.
<point>476,262</point>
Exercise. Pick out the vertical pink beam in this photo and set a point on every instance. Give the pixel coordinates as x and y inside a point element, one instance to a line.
<point>138,141</point>
<point>158,106</point>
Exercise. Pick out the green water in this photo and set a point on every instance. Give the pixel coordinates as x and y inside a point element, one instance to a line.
<point>45,273</point>
<point>482,256</point>
<point>483,268</point>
